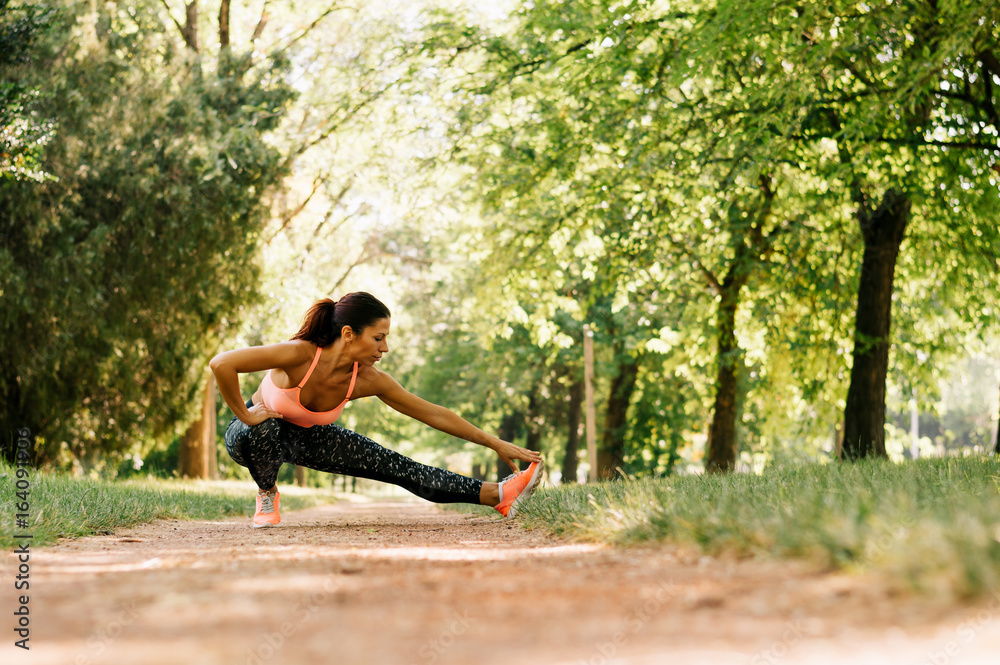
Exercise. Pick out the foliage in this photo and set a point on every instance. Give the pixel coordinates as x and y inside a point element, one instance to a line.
<point>142,246</point>
<point>674,149</point>
<point>21,135</point>
<point>604,183</point>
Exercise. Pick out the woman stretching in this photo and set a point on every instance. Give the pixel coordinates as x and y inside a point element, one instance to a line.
<point>329,361</point>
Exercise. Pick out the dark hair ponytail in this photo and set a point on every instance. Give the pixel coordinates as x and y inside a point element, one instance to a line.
<point>325,319</point>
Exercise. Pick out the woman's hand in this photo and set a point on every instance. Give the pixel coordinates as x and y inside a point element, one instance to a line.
<point>259,413</point>
<point>509,452</point>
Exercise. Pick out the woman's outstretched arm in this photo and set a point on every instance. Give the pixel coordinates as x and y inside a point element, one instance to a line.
<point>389,391</point>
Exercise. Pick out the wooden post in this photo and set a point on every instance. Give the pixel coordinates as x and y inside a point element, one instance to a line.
<point>588,385</point>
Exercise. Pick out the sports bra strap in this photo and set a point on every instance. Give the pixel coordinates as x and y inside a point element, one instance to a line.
<point>353,378</point>
<point>319,349</point>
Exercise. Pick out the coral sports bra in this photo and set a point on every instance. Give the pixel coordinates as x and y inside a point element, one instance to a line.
<point>286,400</point>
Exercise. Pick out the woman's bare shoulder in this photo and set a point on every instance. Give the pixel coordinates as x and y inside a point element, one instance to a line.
<point>373,381</point>
<point>301,347</point>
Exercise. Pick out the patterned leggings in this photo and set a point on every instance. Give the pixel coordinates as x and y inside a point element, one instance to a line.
<point>264,447</point>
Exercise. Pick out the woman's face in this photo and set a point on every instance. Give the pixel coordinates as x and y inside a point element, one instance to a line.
<point>370,345</point>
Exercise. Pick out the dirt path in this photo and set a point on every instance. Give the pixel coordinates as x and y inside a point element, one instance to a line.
<point>408,583</point>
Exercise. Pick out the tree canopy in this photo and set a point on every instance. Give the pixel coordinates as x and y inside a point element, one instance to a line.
<point>775,216</point>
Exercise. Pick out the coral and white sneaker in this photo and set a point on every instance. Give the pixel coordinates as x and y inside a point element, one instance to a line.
<point>516,488</point>
<point>267,509</point>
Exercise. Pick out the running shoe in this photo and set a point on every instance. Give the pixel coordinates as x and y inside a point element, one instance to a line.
<point>516,488</point>
<point>267,509</point>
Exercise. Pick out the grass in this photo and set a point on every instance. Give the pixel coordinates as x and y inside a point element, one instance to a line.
<point>933,525</point>
<point>66,507</point>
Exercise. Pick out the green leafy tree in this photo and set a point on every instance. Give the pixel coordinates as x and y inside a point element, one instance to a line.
<point>745,148</point>
<point>120,269</point>
<point>896,102</point>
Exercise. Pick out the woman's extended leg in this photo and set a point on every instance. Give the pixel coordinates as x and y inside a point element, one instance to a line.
<point>331,448</point>
<point>334,449</point>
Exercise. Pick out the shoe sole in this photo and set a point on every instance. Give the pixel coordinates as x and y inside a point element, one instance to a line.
<point>529,489</point>
<point>261,526</point>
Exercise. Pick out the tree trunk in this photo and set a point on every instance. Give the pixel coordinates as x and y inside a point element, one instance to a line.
<point>211,415</point>
<point>190,30</point>
<point>507,432</point>
<point>751,246</point>
<point>300,475</point>
<point>198,443</point>
<point>611,453</point>
<point>212,445</point>
<point>10,392</point>
<point>721,454</point>
<point>571,461</point>
<point>534,432</point>
<point>224,24</point>
<point>864,415</point>
<point>996,445</point>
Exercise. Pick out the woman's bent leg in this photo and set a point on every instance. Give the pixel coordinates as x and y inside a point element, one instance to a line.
<point>260,448</point>
<point>333,449</point>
